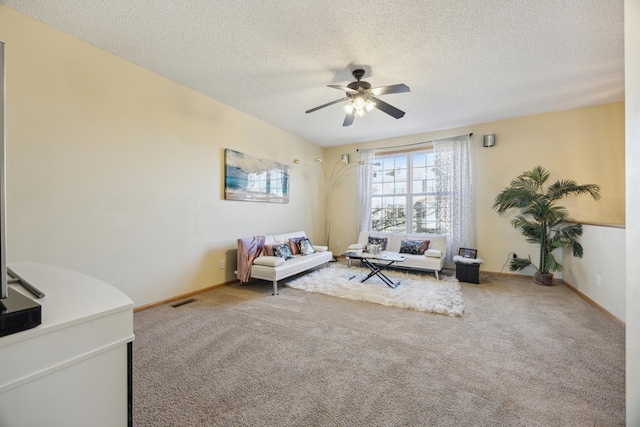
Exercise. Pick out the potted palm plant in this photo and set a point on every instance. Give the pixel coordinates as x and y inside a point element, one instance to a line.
<point>541,220</point>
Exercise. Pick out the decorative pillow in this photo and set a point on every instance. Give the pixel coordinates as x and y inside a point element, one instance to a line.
<point>320,248</point>
<point>282,250</point>
<point>269,261</point>
<point>419,239</point>
<point>293,244</point>
<point>305,247</point>
<point>378,240</point>
<point>413,247</point>
<point>433,253</point>
<point>268,248</point>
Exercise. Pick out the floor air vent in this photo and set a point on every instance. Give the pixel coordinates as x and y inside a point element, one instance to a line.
<point>181,303</point>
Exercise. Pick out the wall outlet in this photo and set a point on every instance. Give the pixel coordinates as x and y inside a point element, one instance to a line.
<point>338,243</point>
<point>221,264</point>
<point>598,280</point>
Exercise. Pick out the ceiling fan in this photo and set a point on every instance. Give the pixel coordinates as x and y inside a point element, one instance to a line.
<point>362,98</point>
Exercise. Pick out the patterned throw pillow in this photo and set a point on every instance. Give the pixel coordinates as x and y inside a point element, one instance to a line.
<point>268,248</point>
<point>283,250</point>
<point>293,244</point>
<point>305,247</point>
<point>378,240</point>
<point>414,247</point>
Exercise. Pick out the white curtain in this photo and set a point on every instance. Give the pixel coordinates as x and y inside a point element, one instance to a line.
<point>454,202</point>
<point>365,187</point>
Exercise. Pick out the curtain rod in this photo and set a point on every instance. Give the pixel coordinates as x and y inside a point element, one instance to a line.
<point>407,145</point>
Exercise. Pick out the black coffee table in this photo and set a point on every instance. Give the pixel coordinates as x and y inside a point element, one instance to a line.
<point>377,267</point>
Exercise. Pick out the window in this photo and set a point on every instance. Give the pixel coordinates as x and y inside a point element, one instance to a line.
<point>404,194</point>
<point>420,190</point>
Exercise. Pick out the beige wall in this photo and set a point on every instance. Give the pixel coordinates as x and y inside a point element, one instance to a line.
<point>585,144</point>
<point>116,172</point>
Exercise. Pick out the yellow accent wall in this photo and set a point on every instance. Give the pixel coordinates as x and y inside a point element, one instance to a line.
<point>117,172</point>
<point>586,144</point>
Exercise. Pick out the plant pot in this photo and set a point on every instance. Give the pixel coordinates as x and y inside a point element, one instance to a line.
<point>543,279</point>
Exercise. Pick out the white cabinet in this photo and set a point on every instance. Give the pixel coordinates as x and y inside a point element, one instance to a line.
<point>73,369</point>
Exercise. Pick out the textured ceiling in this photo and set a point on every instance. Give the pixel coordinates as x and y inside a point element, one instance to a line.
<point>466,61</point>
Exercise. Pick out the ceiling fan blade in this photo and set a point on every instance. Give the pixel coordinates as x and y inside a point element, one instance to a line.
<point>343,88</point>
<point>327,104</point>
<point>386,90</point>
<point>389,109</point>
<point>348,120</point>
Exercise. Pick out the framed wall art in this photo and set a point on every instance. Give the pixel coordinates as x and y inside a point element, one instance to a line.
<point>251,179</point>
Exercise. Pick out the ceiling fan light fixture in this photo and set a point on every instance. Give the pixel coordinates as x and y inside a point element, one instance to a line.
<point>362,99</point>
<point>359,103</point>
<point>370,105</point>
<point>359,106</point>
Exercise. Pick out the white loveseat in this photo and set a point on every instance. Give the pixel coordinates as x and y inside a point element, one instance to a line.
<point>273,268</point>
<point>432,260</point>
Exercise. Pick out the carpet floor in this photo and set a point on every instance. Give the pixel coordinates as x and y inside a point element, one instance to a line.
<point>521,355</point>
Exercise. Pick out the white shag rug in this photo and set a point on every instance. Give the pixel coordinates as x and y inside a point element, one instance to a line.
<point>416,291</point>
